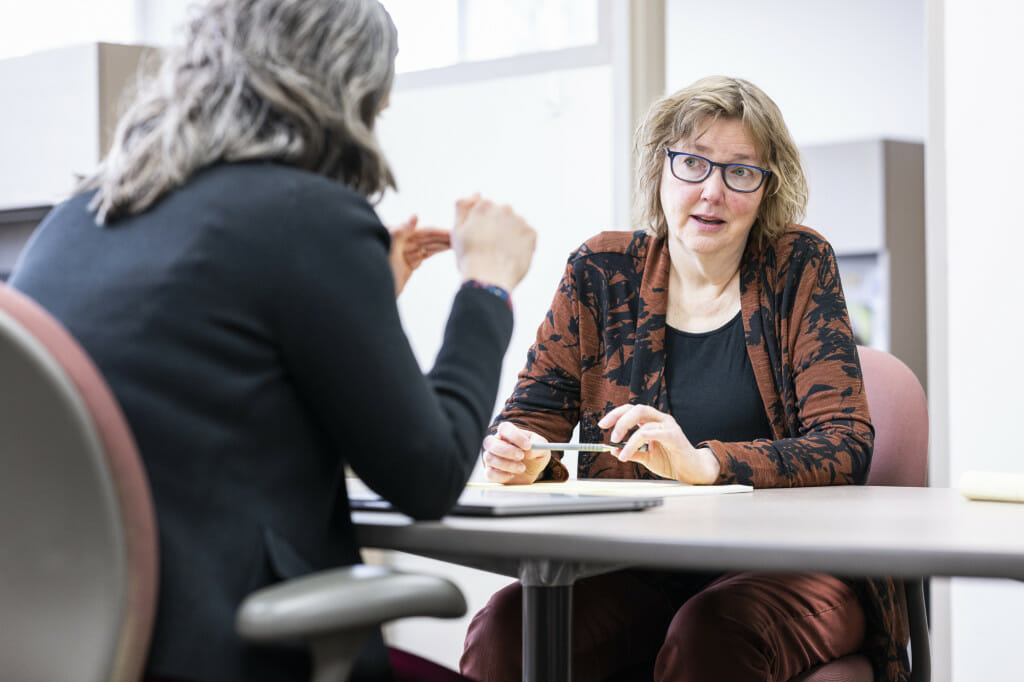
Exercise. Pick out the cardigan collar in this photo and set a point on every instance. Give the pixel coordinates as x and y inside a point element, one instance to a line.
<point>647,378</point>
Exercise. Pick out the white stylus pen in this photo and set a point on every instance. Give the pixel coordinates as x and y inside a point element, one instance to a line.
<point>584,447</point>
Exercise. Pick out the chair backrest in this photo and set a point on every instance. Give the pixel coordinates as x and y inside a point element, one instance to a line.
<point>78,548</point>
<point>899,411</point>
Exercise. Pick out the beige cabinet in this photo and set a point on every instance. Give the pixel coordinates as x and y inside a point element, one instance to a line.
<point>61,108</point>
<point>867,199</point>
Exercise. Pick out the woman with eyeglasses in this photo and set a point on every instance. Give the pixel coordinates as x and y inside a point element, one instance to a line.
<point>717,336</point>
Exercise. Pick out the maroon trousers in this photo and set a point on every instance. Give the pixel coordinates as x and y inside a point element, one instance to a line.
<point>636,625</point>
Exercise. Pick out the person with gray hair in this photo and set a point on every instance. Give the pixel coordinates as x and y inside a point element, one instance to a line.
<point>226,271</point>
<point>714,344</point>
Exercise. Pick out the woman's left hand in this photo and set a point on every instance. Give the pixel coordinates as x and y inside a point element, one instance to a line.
<point>669,452</point>
<point>411,246</point>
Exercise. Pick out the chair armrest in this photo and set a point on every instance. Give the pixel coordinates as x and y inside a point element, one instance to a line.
<point>349,598</point>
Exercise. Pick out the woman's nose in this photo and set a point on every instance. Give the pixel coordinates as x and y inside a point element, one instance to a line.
<point>713,187</point>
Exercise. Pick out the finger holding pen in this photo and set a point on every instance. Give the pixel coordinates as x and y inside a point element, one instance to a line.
<point>508,458</point>
<point>669,453</point>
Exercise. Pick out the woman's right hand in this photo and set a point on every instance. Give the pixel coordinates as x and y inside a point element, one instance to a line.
<point>492,243</point>
<point>508,458</point>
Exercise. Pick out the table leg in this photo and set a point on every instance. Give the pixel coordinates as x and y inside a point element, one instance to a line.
<point>547,633</point>
<point>547,615</point>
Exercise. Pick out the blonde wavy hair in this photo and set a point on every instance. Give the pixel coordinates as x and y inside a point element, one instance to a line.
<point>299,82</point>
<point>684,115</point>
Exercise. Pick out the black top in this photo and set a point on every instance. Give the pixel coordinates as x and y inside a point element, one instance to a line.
<point>247,325</point>
<point>712,391</point>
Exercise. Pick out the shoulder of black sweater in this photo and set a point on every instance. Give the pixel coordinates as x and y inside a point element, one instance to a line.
<point>271,184</point>
<point>283,202</point>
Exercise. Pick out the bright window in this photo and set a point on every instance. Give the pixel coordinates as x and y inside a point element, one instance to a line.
<point>503,29</point>
<point>428,33</point>
<point>27,27</point>
<point>445,32</point>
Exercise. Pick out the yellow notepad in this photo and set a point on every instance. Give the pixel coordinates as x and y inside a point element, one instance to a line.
<point>992,485</point>
<point>618,486</point>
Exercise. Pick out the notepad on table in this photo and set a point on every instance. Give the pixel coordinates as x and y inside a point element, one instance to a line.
<point>627,487</point>
<point>992,485</point>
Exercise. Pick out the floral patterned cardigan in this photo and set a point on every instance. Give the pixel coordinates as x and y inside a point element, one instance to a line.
<point>602,345</point>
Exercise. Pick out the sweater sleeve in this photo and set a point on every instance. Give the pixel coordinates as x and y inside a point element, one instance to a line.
<point>414,439</point>
<point>823,430</point>
<point>546,397</point>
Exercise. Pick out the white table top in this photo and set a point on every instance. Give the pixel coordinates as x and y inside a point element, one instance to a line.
<point>851,530</point>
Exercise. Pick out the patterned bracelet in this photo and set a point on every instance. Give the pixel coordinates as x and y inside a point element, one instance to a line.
<point>496,290</point>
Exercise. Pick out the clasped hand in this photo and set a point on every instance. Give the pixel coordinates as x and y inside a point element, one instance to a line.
<point>492,244</point>
<point>509,459</point>
<point>410,246</point>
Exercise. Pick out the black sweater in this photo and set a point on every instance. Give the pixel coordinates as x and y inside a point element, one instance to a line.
<point>247,325</point>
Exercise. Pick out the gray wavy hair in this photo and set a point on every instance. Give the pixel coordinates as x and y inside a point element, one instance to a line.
<point>299,82</point>
<point>685,114</point>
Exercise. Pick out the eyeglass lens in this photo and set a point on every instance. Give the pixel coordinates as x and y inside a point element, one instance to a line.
<point>693,168</point>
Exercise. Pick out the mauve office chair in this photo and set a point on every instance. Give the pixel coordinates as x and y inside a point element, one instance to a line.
<point>899,411</point>
<point>78,543</point>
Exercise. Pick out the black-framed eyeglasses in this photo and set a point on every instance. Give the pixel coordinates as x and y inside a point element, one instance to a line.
<point>739,177</point>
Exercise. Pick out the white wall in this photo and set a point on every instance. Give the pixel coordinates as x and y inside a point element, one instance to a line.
<point>539,142</point>
<point>975,100</point>
<point>160,22</point>
<point>58,92</point>
<point>838,70</point>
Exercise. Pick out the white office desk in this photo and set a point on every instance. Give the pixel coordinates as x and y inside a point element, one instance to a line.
<point>851,530</point>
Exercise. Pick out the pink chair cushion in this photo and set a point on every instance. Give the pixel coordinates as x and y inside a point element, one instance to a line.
<point>899,411</point>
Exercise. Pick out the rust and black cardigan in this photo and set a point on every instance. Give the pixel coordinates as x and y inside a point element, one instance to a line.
<point>602,345</point>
